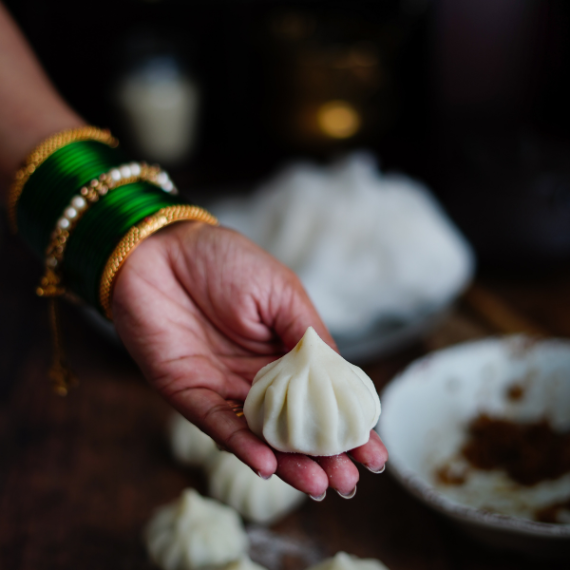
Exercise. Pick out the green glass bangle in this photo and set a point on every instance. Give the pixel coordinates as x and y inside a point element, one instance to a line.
<point>46,183</point>
<point>100,230</point>
<point>55,182</point>
<point>52,204</point>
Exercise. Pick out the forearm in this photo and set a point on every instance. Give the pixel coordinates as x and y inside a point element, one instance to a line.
<point>30,107</point>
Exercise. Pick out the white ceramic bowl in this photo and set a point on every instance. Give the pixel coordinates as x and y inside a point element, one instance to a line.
<point>426,409</point>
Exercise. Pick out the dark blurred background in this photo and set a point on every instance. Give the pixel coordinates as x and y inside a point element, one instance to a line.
<point>471,96</point>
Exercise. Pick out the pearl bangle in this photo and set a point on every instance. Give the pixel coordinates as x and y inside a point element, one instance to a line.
<point>50,284</point>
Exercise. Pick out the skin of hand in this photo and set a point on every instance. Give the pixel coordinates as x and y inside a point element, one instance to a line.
<point>201,309</point>
<point>30,108</point>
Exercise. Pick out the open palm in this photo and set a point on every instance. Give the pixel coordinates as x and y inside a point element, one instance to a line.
<point>201,309</point>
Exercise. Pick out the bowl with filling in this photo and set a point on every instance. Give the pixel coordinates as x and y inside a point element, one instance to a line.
<point>480,432</point>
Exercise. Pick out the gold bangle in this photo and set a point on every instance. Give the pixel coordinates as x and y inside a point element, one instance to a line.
<point>50,283</point>
<point>135,236</point>
<point>42,152</point>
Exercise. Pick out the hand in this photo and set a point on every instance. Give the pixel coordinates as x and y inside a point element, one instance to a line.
<point>201,309</point>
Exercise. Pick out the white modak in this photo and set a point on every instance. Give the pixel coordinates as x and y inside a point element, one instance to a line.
<point>194,532</point>
<point>312,401</point>
<point>235,484</point>
<point>189,444</point>
<point>344,561</point>
<point>244,563</point>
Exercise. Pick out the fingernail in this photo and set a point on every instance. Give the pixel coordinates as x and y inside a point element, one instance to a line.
<point>349,495</point>
<point>381,470</point>
<point>319,498</point>
<point>264,477</point>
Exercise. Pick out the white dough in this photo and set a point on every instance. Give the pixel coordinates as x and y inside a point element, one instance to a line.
<point>312,401</point>
<point>366,246</point>
<point>189,444</point>
<point>344,561</point>
<point>244,563</point>
<point>235,484</point>
<point>194,532</point>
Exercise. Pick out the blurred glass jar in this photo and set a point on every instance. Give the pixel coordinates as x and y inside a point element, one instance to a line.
<point>159,102</point>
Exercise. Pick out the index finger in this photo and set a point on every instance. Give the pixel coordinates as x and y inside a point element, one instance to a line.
<point>214,416</point>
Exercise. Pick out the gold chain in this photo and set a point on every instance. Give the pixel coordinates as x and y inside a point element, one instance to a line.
<point>135,236</point>
<point>62,379</point>
<point>45,149</point>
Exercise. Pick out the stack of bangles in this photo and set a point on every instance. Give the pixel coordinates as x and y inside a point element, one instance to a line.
<point>83,208</point>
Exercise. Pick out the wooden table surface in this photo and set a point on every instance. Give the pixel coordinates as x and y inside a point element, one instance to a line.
<point>80,476</point>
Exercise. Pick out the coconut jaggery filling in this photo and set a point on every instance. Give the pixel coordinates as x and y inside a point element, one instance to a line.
<point>528,452</point>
